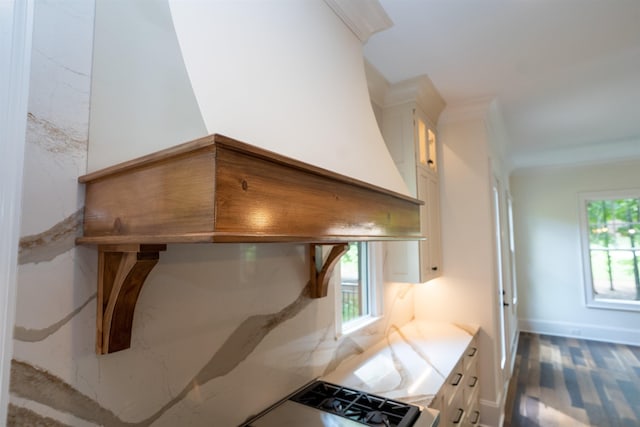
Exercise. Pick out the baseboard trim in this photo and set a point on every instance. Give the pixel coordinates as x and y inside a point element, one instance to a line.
<point>580,330</point>
<point>492,412</point>
<point>491,415</point>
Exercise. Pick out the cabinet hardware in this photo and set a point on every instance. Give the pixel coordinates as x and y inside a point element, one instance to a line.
<point>504,294</point>
<point>458,417</point>
<point>457,379</point>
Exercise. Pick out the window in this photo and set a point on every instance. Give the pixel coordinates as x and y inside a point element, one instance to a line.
<point>611,249</point>
<point>358,296</point>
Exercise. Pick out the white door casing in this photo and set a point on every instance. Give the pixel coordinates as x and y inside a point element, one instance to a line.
<point>507,299</point>
<point>497,214</point>
<point>16,25</point>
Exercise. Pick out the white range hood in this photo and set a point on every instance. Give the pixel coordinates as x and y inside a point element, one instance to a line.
<point>287,75</point>
<point>284,75</point>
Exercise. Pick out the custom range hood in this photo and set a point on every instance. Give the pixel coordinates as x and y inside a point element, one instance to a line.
<point>216,189</point>
<point>285,76</point>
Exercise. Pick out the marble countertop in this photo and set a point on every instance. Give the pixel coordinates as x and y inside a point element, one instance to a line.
<point>410,364</point>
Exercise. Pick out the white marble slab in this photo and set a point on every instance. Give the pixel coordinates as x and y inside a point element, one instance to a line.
<point>410,364</point>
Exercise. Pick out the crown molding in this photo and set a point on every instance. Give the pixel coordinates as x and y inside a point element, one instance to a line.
<point>420,90</point>
<point>363,17</point>
<point>575,155</point>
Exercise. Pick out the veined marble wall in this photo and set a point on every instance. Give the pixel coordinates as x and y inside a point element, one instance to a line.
<point>220,331</point>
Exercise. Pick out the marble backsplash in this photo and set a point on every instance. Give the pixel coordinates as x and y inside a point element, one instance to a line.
<point>220,331</point>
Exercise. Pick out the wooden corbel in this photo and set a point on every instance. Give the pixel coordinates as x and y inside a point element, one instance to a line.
<point>122,270</point>
<point>321,272</point>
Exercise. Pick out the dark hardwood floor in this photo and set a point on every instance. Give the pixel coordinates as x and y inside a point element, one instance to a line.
<point>570,382</point>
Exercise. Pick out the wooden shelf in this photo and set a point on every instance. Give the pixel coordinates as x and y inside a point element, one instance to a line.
<point>216,189</point>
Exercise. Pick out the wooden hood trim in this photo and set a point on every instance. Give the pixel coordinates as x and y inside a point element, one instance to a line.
<point>217,189</point>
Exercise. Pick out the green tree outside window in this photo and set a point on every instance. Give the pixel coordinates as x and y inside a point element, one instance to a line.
<point>614,247</point>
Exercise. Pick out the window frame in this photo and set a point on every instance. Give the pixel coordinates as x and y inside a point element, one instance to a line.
<point>374,279</point>
<point>589,291</point>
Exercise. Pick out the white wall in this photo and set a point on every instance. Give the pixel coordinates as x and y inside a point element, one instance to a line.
<point>16,24</point>
<point>466,292</point>
<point>548,252</point>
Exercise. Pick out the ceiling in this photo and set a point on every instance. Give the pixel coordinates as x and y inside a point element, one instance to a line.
<point>566,73</point>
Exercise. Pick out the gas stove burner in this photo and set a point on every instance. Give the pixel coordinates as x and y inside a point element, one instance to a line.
<point>377,418</point>
<point>364,408</point>
<point>332,404</point>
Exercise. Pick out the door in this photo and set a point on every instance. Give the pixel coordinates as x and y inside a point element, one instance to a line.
<point>512,318</point>
<point>505,274</point>
<point>502,298</point>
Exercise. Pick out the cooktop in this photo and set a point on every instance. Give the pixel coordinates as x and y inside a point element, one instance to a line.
<point>323,404</point>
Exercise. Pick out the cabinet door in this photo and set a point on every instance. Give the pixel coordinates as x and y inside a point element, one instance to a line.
<point>425,142</point>
<point>430,249</point>
<point>411,140</point>
<point>424,245</point>
<point>435,244</point>
<point>418,262</point>
<point>401,262</point>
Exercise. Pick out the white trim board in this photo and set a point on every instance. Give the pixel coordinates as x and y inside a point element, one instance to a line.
<point>362,17</point>
<point>490,413</point>
<point>582,331</point>
<point>16,24</point>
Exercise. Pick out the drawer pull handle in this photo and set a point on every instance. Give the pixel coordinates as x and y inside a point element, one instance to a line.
<point>473,382</point>
<point>458,416</point>
<point>476,417</point>
<point>456,379</point>
<point>472,352</point>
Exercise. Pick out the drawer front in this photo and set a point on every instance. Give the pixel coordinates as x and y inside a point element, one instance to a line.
<point>456,412</point>
<point>473,415</point>
<point>471,386</point>
<point>471,354</point>
<point>455,384</point>
<point>458,398</point>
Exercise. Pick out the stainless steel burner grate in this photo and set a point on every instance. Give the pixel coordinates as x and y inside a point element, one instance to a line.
<point>365,408</point>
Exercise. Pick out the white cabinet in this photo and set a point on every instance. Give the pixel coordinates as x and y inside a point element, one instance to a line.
<point>458,399</point>
<point>439,369</point>
<point>411,140</point>
<point>434,260</point>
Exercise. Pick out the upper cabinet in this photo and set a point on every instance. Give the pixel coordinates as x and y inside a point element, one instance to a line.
<point>412,141</point>
<point>431,266</point>
<point>426,142</point>
<point>408,112</point>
